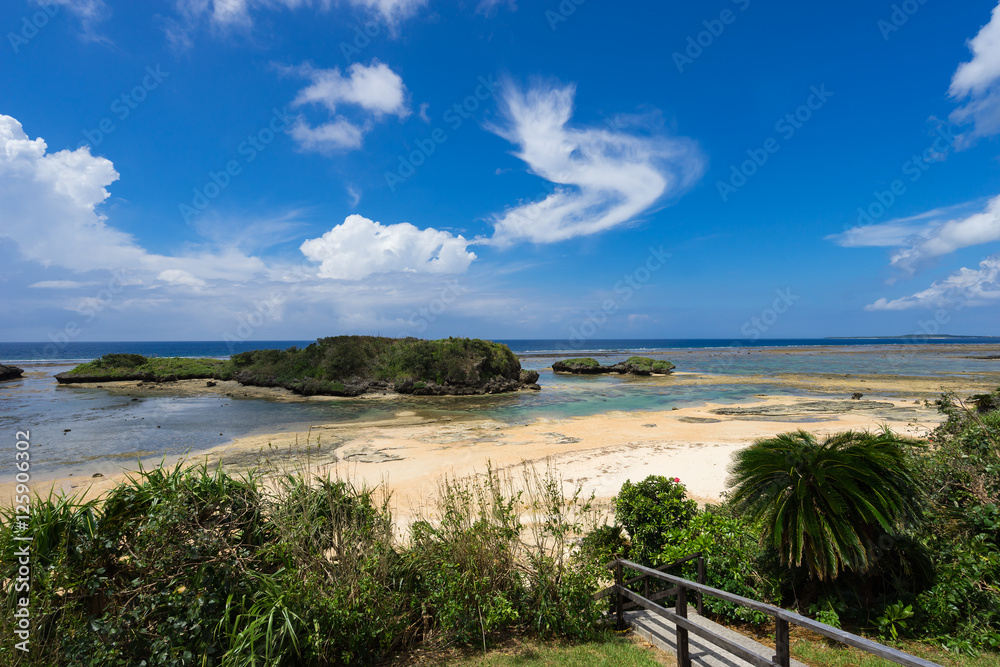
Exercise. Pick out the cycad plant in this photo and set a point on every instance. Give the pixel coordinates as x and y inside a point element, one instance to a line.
<point>825,505</point>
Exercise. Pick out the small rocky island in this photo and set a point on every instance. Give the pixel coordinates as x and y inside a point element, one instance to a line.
<point>337,366</point>
<point>10,373</point>
<point>631,366</point>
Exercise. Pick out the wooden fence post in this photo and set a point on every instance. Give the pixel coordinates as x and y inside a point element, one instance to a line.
<point>683,650</point>
<point>619,598</point>
<point>781,645</point>
<point>701,580</point>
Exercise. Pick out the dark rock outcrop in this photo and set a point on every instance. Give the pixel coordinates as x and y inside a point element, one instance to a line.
<point>631,366</point>
<point>10,373</point>
<point>67,378</point>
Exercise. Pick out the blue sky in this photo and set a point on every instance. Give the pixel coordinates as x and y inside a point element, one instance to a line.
<point>287,169</point>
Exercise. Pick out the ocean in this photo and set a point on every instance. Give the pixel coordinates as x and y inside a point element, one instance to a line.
<point>81,429</point>
<point>79,352</point>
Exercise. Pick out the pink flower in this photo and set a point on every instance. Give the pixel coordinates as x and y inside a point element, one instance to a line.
<point>677,479</point>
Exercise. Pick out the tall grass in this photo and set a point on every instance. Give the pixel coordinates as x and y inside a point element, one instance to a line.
<point>191,565</point>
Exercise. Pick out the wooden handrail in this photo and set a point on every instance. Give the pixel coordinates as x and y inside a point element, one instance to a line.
<point>699,555</point>
<point>783,618</point>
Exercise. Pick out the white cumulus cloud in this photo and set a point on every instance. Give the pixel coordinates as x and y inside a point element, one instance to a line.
<point>374,88</point>
<point>603,177</point>
<point>965,287</point>
<point>49,206</point>
<point>977,82</point>
<point>360,247</point>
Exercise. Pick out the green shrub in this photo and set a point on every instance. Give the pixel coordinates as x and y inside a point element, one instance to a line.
<point>648,510</point>
<point>467,580</point>
<point>604,544</point>
<point>116,360</point>
<point>734,561</point>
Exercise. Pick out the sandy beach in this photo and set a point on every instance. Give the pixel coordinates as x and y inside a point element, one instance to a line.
<point>410,454</point>
<point>410,449</point>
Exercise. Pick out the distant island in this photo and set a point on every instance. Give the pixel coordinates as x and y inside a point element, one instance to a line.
<point>907,336</point>
<point>337,366</point>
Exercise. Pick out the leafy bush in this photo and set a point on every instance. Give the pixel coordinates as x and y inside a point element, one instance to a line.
<point>604,544</point>
<point>734,562</point>
<point>648,510</point>
<point>961,610</point>
<point>467,579</point>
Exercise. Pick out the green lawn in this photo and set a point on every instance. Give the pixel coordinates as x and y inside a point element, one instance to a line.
<point>821,654</point>
<point>629,651</point>
<point>610,650</point>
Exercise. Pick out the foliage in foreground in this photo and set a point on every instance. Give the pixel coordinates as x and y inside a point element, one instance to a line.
<point>823,505</point>
<point>196,567</point>
<point>863,530</point>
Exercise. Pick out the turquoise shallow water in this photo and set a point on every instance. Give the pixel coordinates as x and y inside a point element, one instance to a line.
<point>83,429</point>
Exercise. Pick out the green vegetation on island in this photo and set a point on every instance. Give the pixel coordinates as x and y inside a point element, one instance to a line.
<point>631,366</point>
<point>352,365</point>
<point>577,365</point>
<point>112,367</point>
<point>337,366</point>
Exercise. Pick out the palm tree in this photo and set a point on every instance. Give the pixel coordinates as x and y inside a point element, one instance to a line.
<point>826,505</point>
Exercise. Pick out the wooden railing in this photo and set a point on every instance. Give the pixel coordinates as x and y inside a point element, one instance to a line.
<point>782,617</point>
<point>670,592</point>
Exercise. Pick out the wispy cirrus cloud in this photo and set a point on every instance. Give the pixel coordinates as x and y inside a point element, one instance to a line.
<point>229,15</point>
<point>976,83</point>
<point>603,177</point>
<point>89,13</point>
<point>920,239</point>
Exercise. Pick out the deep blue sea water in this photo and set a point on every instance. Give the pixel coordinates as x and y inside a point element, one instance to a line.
<point>83,429</point>
<point>79,352</point>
